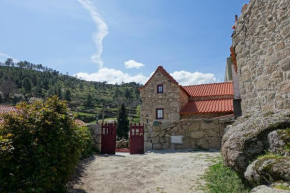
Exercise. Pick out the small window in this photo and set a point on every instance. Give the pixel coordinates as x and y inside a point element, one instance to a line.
<point>159,113</point>
<point>160,88</point>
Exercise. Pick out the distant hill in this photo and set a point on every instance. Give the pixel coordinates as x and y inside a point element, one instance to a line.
<point>24,81</point>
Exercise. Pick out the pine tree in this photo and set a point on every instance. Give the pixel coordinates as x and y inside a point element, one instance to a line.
<point>68,95</point>
<point>89,101</point>
<point>27,85</point>
<point>123,123</point>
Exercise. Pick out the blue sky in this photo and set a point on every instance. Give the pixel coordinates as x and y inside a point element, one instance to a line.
<point>121,40</point>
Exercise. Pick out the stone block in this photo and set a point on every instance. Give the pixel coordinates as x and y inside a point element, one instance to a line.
<point>215,143</point>
<point>146,136</point>
<point>148,146</point>
<point>155,140</point>
<point>202,143</point>
<point>157,146</point>
<point>154,134</point>
<point>197,134</point>
<point>211,132</point>
<point>208,125</point>
<point>194,126</point>
<point>156,128</point>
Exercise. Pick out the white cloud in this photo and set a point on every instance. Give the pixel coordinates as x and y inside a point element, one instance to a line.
<point>133,64</point>
<point>101,33</point>
<point>185,78</point>
<point>112,76</point>
<point>3,55</point>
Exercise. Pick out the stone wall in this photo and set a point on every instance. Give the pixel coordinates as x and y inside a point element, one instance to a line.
<point>204,115</point>
<point>198,133</point>
<point>151,100</point>
<point>262,47</point>
<point>95,130</point>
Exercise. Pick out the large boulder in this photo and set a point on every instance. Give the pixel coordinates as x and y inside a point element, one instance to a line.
<point>266,189</point>
<point>279,142</point>
<point>268,170</point>
<point>247,138</point>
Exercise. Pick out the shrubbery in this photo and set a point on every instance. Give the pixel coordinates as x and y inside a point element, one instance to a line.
<point>220,178</point>
<point>40,147</point>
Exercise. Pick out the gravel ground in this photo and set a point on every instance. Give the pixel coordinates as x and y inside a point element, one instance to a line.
<point>154,172</point>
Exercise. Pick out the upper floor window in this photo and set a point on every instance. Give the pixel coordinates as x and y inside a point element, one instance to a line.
<point>159,113</point>
<point>160,88</point>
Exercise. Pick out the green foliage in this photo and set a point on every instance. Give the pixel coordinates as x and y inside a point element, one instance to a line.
<point>26,84</point>
<point>282,187</point>
<point>68,95</point>
<point>46,82</point>
<point>270,155</point>
<point>89,100</point>
<point>40,147</point>
<point>123,123</point>
<point>220,178</point>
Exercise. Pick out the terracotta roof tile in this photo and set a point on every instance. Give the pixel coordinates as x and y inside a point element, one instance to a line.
<point>208,106</point>
<point>214,89</point>
<point>7,109</point>
<point>164,72</point>
<point>80,123</point>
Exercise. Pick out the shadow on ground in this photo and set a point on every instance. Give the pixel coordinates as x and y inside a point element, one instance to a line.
<point>78,174</point>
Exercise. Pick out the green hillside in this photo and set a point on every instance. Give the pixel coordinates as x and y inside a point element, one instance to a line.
<point>24,81</point>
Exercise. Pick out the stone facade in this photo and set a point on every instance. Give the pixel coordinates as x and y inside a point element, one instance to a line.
<point>96,133</point>
<point>198,133</point>
<point>169,100</point>
<point>262,46</point>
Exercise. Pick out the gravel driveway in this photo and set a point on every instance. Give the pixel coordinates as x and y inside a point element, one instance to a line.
<point>158,171</point>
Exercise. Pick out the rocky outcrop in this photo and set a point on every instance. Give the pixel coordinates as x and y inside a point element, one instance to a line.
<point>268,170</point>
<point>280,142</point>
<point>248,138</point>
<point>266,189</point>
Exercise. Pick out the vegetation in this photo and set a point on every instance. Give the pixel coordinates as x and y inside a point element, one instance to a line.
<point>220,178</point>
<point>40,146</point>
<point>269,155</point>
<point>23,80</point>
<point>123,123</point>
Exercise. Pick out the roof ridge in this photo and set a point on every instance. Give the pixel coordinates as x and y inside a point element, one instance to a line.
<point>165,73</point>
<point>209,84</point>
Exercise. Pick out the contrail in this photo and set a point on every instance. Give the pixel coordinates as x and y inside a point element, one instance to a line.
<point>101,33</point>
<point>8,56</point>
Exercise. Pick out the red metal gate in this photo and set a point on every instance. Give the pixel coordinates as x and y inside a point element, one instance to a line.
<point>136,139</point>
<point>108,138</point>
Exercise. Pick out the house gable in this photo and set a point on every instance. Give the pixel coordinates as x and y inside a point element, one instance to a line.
<point>168,99</point>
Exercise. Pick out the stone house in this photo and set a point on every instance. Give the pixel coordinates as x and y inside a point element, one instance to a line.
<point>164,99</point>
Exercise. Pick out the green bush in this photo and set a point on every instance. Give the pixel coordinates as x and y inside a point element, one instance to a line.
<point>40,147</point>
<point>86,141</point>
<point>220,178</point>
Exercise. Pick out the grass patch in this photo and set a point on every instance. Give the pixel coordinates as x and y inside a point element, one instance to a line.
<point>270,156</point>
<point>220,178</point>
<point>282,187</point>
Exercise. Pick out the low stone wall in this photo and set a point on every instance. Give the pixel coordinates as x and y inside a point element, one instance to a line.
<point>96,135</point>
<point>195,134</point>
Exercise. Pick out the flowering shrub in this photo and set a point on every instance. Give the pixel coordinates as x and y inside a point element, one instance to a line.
<point>40,146</point>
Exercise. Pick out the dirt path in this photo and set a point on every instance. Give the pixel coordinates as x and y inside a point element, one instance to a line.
<point>159,171</point>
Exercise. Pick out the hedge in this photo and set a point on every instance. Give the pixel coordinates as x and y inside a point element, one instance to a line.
<point>40,146</point>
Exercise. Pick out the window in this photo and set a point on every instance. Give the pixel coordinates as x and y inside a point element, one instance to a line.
<point>159,113</point>
<point>160,88</point>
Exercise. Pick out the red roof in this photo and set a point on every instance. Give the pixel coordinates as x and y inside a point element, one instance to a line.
<point>214,89</point>
<point>208,106</point>
<point>165,73</point>
<point>7,109</point>
<point>80,123</point>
